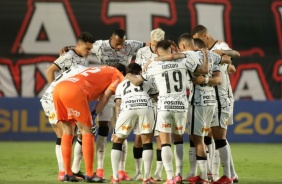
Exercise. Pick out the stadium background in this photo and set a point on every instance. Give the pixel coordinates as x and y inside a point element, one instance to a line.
<point>33,31</point>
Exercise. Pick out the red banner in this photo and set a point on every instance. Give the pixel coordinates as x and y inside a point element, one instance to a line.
<point>33,32</point>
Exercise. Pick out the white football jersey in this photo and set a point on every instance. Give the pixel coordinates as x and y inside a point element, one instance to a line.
<point>170,78</point>
<point>224,89</point>
<point>204,94</point>
<point>144,55</point>
<point>48,95</point>
<point>70,59</point>
<point>106,55</point>
<point>134,97</point>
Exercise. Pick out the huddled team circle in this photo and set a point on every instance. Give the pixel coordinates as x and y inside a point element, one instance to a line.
<point>167,89</point>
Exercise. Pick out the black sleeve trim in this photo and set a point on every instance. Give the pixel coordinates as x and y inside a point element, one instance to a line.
<point>57,66</point>
<point>143,78</point>
<point>116,99</point>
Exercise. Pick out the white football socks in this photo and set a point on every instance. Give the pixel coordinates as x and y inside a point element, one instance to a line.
<point>101,151</point>
<point>77,156</point>
<point>167,161</point>
<point>59,157</point>
<point>179,158</point>
<point>123,156</point>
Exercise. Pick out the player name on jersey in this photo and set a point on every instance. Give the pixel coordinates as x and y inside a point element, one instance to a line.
<point>168,66</point>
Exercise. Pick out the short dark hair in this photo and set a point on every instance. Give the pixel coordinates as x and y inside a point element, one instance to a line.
<point>133,68</point>
<point>119,32</point>
<point>120,67</point>
<point>86,37</point>
<point>186,37</point>
<point>200,29</point>
<point>164,44</point>
<point>199,43</point>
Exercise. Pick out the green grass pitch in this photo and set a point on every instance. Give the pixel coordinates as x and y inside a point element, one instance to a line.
<point>35,163</point>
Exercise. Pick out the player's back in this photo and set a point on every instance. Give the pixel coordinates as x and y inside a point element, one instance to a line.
<point>170,77</point>
<point>225,87</point>
<point>69,60</point>
<point>66,74</point>
<point>94,81</point>
<point>134,97</point>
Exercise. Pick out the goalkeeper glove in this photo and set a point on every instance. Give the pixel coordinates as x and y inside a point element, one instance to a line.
<point>94,128</point>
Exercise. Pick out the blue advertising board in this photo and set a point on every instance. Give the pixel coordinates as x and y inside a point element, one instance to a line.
<point>23,119</point>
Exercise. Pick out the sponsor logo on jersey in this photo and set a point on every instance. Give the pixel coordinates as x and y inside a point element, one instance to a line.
<point>178,128</point>
<point>145,126</point>
<point>205,130</point>
<point>174,105</point>
<point>138,105</point>
<point>52,116</point>
<point>166,125</point>
<point>72,112</point>
<point>123,127</point>
<point>209,101</point>
<point>136,101</point>
<point>209,97</point>
<point>72,79</point>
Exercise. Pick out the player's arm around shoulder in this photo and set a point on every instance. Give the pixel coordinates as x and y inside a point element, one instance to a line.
<point>225,59</point>
<point>117,107</point>
<point>50,71</point>
<point>231,69</point>
<point>215,79</point>
<point>134,79</point>
<point>135,45</point>
<point>170,57</point>
<point>103,100</point>
<point>96,47</point>
<point>211,81</point>
<point>204,67</point>
<point>231,53</point>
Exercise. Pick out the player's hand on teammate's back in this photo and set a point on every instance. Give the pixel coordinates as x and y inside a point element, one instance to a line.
<point>94,128</point>
<point>173,46</point>
<point>146,66</point>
